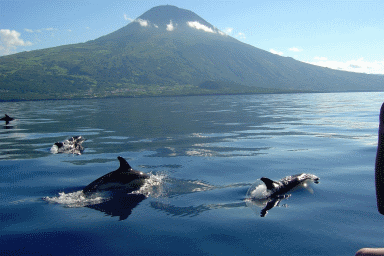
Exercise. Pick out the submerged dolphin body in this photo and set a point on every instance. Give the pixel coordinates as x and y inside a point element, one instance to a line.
<point>276,191</point>
<point>124,179</point>
<point>7,119</point>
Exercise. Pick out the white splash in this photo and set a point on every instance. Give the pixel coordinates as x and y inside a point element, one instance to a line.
<point>258,191</point>
<point>153,186</point>
<point>75,199</point>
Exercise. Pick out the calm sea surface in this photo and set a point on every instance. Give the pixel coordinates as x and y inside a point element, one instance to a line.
<point>203,154</point>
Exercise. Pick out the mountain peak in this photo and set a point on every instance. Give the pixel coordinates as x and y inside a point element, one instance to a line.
<point>162,19</point>
<point>164,14</point>
<point>170,17</point>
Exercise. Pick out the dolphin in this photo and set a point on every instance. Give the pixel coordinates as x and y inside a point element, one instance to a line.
<point>124,179</point>
<point>281,187</point>
<point>276,191</point>
<point>7,119</point>
<point>70,146</point>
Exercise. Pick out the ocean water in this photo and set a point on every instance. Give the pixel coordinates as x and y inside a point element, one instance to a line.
<point>203,154</point>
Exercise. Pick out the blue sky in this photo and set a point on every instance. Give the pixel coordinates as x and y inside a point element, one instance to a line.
<point>344,34</point>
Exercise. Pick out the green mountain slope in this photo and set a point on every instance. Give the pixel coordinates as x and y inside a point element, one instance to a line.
<point>176,53</point>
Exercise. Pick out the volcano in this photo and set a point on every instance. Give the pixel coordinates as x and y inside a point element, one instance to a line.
<point>166,51</point>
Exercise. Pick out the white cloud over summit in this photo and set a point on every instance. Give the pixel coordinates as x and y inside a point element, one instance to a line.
<point>193,24</point>
<point>147,23</point>
<point>10,40</point>
<point>143,23</point>
<point>170,26</point>
<point>197,25</point>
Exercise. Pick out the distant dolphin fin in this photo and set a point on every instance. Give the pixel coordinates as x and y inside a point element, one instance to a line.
<point>124,165</point>
<point>269,183</point>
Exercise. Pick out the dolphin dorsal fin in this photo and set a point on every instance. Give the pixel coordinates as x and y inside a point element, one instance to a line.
<point>124,165</point>
<point>268,182</point>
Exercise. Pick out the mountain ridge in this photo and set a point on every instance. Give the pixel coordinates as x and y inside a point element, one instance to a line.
<point>166,51</point>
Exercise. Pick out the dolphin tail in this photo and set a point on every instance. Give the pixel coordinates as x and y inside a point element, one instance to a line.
<point>124,165</point>
<point>268,182</point>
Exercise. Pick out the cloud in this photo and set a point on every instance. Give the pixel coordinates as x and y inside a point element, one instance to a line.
<point>241,35</point>
<point>294,49</point>
<point>354,66</point>
<point>143,23</point>
<point>170,26</point>
<point>276,52</point>
<point>359,66</point>
<point>10,40</point>
<point>40,30</point>
<point>197,25</point>
<point>127,18</point>
<point>228,31</point>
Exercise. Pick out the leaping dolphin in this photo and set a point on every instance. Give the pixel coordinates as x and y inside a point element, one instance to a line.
<point>124,179</point>
<point>7,119</point>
